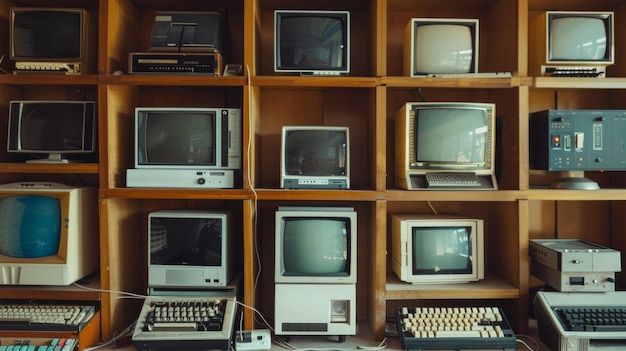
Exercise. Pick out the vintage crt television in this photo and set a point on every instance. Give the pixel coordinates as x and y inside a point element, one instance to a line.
<point>186,147</point>
<point>428,249</point>
<point>53,130</point>
<point>312,42</point>
<point>571,142</point>
<point>571,43</point>
<point>48,233</point>
<point>52,40</point>
<point>449,139</point>
<point>190,248</point>
<point>316,262</point>
<point>315,157</point>
<point>187,32</point>
<point>440,46</point>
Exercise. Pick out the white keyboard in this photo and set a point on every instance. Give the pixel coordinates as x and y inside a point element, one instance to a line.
<point>47,67</point>
<point>439,328</point>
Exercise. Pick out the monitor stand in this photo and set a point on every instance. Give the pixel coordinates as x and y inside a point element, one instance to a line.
<point>575,181</point>
<point>52,158</point>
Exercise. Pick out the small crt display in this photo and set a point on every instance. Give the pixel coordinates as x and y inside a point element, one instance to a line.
<point>47,33</point>
<point>30,226</point>
<point>451,135</point>
<point>576,38</point>
<point>186,241</point>
<point>180,138</point>
<point>315,246</point>
<point>313,152</point>
<point>442,250</point>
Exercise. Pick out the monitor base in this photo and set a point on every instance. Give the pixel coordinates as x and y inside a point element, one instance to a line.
<point>575,183</point>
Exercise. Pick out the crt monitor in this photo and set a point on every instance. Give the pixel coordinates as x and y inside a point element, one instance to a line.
<point>315,245</point>
<point>186,147</point>
<point>437,249</point>
<point>52,131</point>
<point>53,35</point>
<point>445,137</point>
<point>315,157</point>
<point>48,233</point>
<point>187,31</point>
<point>190,248</point>
<point>312,42</point>
<point>573,41</point>
<point>187,137</point>
<point>440,46</point>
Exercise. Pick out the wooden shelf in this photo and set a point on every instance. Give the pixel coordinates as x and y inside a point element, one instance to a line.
<point>579,83</point>
<point>366,100</point>
<point>47,168</point>
<point>489,288</point>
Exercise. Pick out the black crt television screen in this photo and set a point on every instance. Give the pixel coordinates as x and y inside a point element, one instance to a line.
<point>312,42</point>
<point>316,152</point>
<point>186,241</point>
<point>451,135</point>
<point>316,246</point>
<point>40,34</point>
<point>52,127</point>
<point>439,250</point>
<point>178,138</point>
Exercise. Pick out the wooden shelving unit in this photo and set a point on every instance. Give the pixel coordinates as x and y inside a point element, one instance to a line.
<point>366,100</point>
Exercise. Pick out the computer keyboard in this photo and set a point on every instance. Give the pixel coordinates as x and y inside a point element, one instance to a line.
<point>444,328</point>
<point>577,321</point>
<point>452,180</point>
<point>38,344</point>
<point>45,317</point>
<point>592,318</point>
<point>185,322</point>
<point>573,72</point>
<point>47,67</point>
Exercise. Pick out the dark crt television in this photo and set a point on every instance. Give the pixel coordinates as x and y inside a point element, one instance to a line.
<point>187,32</point>
<point>48,233</point>
<point>53,131</point>
<point>312,42</point>
<point>315,157</point>
<point>445,137</point>
<point>186,147</point>
<point>441,46</point>
<point>52,35</point>
<point>573,43</point>
<point>190,248</point>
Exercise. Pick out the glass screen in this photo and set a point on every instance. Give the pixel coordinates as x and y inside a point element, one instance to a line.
<point>47,34</point>
<point>315,152</point>
<point>315,246</point>
<point>314,42</point>
<point>180,138</point>
<point>578,38</point>
<point>186,241</point>
<point>30,226</point>
<point>438,250</point>
<point>451,135</point>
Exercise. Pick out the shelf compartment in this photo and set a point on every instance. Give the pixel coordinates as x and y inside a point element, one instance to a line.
<point>489,288</point>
